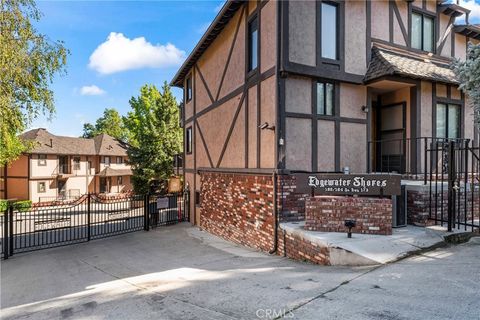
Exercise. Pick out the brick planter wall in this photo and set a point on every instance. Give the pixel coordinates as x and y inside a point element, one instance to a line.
<point>295,247</point>
<point>239,208</point>
<point>328,214</point>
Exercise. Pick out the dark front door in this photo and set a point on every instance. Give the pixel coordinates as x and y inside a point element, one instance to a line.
<point>63,164</point>
<point>391,143</point>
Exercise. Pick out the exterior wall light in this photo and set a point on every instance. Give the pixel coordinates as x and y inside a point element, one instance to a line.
<point>365,109</point>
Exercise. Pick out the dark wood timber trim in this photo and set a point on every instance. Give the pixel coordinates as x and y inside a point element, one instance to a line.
<point>204,144</point>
<point>390,20</point>
<point>442,44</point>
<point>243,171</point>
<point>264,76</point>
<point>232,46</point>
<point>204,83</point>
<point>230,131</point>
<point>400,23</point>
<point>314,127</point>
<point>324,73</point>
<point>368,38</point>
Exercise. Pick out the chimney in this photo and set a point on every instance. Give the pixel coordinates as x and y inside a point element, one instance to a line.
<point>51,143</point>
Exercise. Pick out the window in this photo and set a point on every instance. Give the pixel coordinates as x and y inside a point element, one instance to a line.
<point>76,163</point>
<point>41,187</point>
<point>422,32</point>
<point>188,91</point>
<point>188,140</point>
<point>119,160</point>
<point>325,101</point>
<point>42,159</point>
<point>448,121</point>
<point>89,166</point>
<point>119,180</point>
<point>329,30</point>
<point>106,160</point>
<point>253,44</point>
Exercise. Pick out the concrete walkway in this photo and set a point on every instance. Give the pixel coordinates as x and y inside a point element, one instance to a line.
<point>180,272</point>
<point>368,249</point>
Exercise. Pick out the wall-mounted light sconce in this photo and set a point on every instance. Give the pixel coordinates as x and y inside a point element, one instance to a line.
<point>365,109</point>
<point>266,126</point>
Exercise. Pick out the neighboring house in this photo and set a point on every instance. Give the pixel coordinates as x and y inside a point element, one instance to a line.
<point>65,167</point>
<point>282,86</point>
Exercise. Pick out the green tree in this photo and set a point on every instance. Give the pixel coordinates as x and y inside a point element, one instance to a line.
<point>28,63</point>
<point>468,72</point>
<point>110,123</point>
<point>155,135</point>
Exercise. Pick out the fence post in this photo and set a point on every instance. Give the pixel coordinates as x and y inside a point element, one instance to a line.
<point>5,232</point>
<point>451,181</point>
<point>10,241</point>
<point>146,213</point>
<point>88,216</point>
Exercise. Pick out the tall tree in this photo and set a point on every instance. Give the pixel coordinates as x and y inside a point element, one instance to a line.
<point>28,63</point>
<point>468,72</point>
<point>156,135</point>
<point>110,123</point>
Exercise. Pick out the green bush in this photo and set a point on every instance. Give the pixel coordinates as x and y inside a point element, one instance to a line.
<point>3,206</point>
<point>22,206</point>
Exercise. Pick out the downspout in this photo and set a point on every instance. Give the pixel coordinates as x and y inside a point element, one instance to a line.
<point>275,215</point>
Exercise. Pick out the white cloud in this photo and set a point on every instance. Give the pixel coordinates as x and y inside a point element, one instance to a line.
<point>92,90</point>
<point>120,53</point>
<point>474,7</point>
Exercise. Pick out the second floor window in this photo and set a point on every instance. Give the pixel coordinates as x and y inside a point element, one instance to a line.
<point>188,89</point>
<point>329,31</point>
<point>448,121</point>
<point>188,140</point>
<point>106,160</point>
<point>42,159</point>
<point>253,44</point>
<point>422,32</point>
<point>76,163</point>
<point>119,160</point>
<point>325,100</point>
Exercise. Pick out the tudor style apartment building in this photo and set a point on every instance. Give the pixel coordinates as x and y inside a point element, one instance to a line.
<point>64,168</point>
<point>316,86</point>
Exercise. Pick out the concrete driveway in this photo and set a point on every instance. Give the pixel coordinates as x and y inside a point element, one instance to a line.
<point>179,272</point>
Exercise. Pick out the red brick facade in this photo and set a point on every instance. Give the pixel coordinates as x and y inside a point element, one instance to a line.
<point>295,247</point>
<point>239,208</point>
<point>328,214</point>
<point>291,205</point>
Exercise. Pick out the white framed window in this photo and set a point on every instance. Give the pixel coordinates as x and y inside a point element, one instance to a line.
<point>41,187</point>
<point>42,160</point>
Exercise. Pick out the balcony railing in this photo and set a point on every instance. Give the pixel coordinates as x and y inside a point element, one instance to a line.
<point>412,158</point>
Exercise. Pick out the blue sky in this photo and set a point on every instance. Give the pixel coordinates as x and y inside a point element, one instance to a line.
<point>117,46</point>
<point>106,37</point>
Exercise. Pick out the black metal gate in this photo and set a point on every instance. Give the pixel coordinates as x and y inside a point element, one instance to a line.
<point>454,176</point>
<point>87,218</point>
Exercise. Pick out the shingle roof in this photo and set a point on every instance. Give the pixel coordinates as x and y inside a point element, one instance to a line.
<point>47,143</point>
<point>388,62</point>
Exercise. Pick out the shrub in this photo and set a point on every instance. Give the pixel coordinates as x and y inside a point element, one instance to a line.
<point>22,206</point>
<point>3,206</point>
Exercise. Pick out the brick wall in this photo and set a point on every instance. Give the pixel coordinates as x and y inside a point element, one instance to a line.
<point>419,201</point>
<point>328,214</point>
<point>298,248</point>
<point>291,205</point>
<point>239,208</point>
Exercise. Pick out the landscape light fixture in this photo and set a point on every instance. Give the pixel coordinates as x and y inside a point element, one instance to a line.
<point>266,126</point>
<point>350,224</point>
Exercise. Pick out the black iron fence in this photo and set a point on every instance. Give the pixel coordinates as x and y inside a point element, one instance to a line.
<point>454,184</point>
<point>87,218</point>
